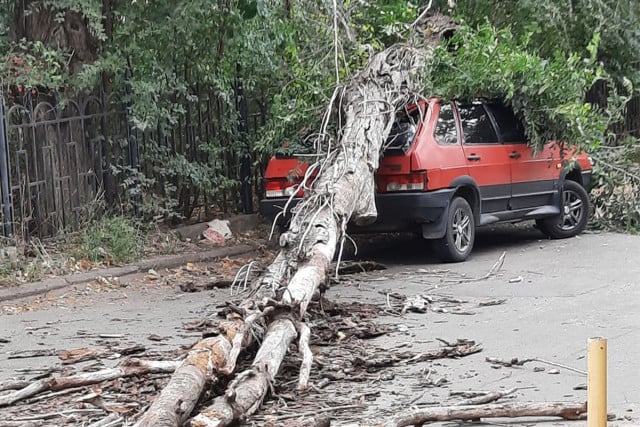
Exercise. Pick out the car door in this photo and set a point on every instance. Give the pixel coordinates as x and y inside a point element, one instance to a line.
<point>534,175</point>
<point>487,159</point>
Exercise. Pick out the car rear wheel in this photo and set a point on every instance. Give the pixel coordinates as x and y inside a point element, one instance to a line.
<point>458,240</point>
<point>574,213</point>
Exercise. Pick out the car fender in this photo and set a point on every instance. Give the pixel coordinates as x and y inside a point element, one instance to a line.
<point>575,172</point>
<point>465,181</point>
<point>437,229</point>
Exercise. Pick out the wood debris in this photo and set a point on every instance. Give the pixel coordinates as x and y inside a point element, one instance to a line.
<point>476,412</point>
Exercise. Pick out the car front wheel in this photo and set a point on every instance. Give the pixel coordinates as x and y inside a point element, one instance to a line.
<point>458,240</point>
<point>574,213</point>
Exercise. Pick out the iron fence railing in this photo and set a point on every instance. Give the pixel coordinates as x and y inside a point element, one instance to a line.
<point>58,159</point>
<point>56,163</point>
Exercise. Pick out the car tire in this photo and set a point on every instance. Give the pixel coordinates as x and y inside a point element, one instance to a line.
<point>457,243</point>
<point>574,213</point>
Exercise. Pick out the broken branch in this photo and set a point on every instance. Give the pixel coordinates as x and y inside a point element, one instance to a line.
<point>567,411</point>
<point>127,368</point>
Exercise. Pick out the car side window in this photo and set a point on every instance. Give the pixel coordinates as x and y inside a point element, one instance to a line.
<point>510,126</point>
<point>445,131</point>
<point>476,125</point>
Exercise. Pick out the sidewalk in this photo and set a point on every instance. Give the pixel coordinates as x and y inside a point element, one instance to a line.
<point>166,261</point>
<point>238,224</point>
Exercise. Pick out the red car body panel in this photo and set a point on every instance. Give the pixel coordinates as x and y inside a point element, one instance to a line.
<point>460,150</point>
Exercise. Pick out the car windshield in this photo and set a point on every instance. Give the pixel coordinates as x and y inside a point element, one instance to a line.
<point>403,132</point>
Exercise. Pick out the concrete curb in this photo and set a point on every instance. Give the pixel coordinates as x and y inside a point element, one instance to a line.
<point>165,261</point>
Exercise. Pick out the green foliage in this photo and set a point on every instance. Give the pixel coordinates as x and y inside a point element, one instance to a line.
<point>616,196</point>
<point>568,26</point>
<point>547,92</point>
<point>111,240</point>
<point>182,59</point>
<point>380,23</point>
<point>31,64</point>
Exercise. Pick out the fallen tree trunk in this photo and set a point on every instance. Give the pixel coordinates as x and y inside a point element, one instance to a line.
<point>179,397</point>
<point>244,396</point>
<point>128,368</point>
<point>343,191</point>
<point>568,411</point>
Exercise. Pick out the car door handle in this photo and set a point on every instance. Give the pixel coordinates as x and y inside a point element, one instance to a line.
<point>473,157</point>
<point>515,155</point>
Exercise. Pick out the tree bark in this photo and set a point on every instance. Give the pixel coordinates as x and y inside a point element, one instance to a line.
<point>568,411</point>
<point>68,31</point>
<point>244,395</point>
<point>174,405</point>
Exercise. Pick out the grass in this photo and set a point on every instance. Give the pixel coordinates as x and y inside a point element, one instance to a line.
<point>111,241</point>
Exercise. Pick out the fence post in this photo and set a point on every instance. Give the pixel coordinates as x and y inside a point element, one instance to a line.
<point>132,138</point>
<point>246,194</point>
<point>5,187</point>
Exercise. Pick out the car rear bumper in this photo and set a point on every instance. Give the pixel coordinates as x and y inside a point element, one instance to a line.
<point>396,212</point>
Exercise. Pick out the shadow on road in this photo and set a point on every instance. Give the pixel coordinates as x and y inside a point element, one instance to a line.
<point>412,249</point>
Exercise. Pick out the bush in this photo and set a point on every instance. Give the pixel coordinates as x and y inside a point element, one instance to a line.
<point>111,241</point>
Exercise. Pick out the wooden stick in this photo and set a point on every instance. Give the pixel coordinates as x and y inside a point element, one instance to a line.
<point>21,423</point>
<point>568,411</point>
<point>14,384</point>
<point>112,420</point>
<point>486,398</point>
<point>128,368</point>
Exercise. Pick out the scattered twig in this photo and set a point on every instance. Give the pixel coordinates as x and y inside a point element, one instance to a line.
<point>508,363</point>
<point>113,420</point>
<point>26,354</point>
<point>559,365</point>
<point>460,349</point>
<point>51,415</point>
<point>52,394</point>
<point>492,302</point>
<point>314,412</point>
<point>492,272</point>
<point>353,267</point>
<point>519,362</point>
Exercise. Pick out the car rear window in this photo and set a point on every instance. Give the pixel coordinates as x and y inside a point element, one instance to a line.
<point>403,132</point>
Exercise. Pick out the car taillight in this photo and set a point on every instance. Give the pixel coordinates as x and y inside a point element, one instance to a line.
<point>409,182</point>
<point>281,188</point>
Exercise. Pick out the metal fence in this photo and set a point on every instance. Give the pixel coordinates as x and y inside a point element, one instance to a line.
<point>58,159</point>
<point>55,163</point>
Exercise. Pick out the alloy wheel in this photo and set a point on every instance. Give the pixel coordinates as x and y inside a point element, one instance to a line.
<point>461,228</point>
<point>572,210</point>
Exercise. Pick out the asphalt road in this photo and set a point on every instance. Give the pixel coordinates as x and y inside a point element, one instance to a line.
<point>556,295</point>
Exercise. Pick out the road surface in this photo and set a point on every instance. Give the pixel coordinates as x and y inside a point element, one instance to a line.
<point>552,295</point>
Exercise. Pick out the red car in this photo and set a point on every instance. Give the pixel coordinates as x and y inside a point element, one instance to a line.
<point>450,167</point>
